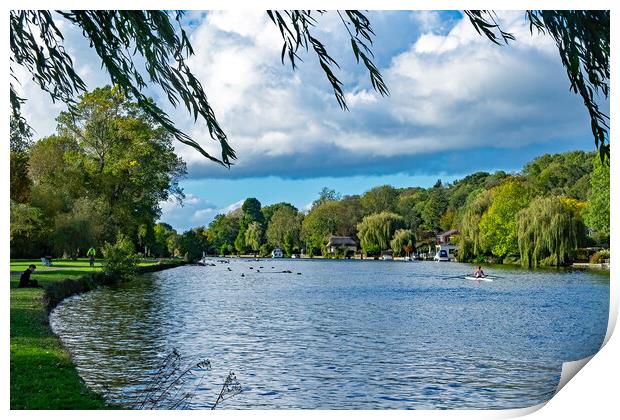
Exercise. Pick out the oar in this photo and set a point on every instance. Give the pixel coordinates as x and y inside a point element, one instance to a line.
<point>456,277</point>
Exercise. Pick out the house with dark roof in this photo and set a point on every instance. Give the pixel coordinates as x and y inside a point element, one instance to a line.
<point>344,244</point>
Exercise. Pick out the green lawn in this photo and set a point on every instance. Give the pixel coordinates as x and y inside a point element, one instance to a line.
<point>42,374</point>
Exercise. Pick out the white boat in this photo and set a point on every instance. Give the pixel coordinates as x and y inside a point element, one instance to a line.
<point>441,255</point>
<point>485,278</point>
<point>387,257</point>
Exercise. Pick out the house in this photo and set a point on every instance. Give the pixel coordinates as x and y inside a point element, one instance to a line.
<point>448,236</point>
<point>345,244</point>
<point>277,253</point>
<point>445,243</point>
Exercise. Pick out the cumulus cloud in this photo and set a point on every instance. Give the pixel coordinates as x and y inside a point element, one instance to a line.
<point>194,211</point>
<point>452,91</point>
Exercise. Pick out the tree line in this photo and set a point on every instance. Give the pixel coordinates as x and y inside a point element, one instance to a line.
<point>539,216</point>
<point>100,178</point>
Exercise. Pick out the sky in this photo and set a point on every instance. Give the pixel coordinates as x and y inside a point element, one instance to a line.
<point>457,104</point>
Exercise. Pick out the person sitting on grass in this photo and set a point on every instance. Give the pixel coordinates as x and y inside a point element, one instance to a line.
<point>24,279</point>
<point>478,273</point>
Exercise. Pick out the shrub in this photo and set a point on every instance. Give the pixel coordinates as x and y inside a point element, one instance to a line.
<point>120,259</point>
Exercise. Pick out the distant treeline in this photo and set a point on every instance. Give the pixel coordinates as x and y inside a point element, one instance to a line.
<point>539,216</point>
<point>101,177</point>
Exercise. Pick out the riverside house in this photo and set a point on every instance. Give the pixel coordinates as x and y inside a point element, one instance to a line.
<point>342,244</point>
<point>445,242</point>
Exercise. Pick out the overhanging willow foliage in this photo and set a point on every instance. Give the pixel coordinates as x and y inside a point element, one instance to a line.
<point>583,41</point>
<point>157,38</point>
<point>547,229</point>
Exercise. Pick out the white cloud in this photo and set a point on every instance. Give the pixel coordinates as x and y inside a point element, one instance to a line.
<point>232,207</point>
<point>451,90</point>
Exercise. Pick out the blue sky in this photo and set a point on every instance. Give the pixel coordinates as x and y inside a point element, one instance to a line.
<point>457,104</point>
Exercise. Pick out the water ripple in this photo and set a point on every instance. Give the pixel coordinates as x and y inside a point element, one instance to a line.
<point>343,335</point>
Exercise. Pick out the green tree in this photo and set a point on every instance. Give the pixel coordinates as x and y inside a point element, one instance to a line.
<point>498,230</point>
<point>161,233</point>
<point>251,208</point>
<point>321,222</point>
<point>325,195</point>
<point>20,143</point>
<point>284,230</point>
<point>581,36</point>
<point>223,229</point>
<point>27,230</point>
<point>597,213</point>
<point>378,199</point>
<point>268,211</point>
<point>548,231</point>
<point>117,153</point>
<point>470,239</point>
<point>254,236</point>
<point>377,229</point>
<point>434,207</point>
<point>192,244</point>
<point>120,260</point>
<point>561,174</point>
<point>404,240</point>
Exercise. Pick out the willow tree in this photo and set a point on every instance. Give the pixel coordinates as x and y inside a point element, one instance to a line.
<point>404,240</point>
<point>548,231</point>
<point>470,241</point>
<point>376,230</point>
<point>498,231</point>
<point>141,48</point>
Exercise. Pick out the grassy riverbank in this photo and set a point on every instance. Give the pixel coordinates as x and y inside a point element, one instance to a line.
<point>42,374</point>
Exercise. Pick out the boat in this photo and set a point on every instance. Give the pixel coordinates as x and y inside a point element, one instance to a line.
<point>485,278</point>
<point>441,255</point>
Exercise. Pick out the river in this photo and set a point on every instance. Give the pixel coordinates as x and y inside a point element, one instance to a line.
<point>341,334</point>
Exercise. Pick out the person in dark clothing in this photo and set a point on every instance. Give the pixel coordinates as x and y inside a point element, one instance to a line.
<point>24,279</point>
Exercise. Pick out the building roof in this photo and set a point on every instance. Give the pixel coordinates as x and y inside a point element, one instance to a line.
<point>449,232</point>
<point>341,241</point>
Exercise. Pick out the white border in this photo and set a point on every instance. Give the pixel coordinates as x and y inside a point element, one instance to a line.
<point>592,394</point>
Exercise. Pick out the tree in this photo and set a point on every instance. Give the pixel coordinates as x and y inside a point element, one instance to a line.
<point>27,230</point>
<point>161,233</point>
<point>325,195</point>
<point>470,239</point>
<point>561,174</point>
<point>404,240</point>
<point>378,199</point>
<point>377,229</point>
<point>20,143</point>
<point>407,207</point>
<point>223,230</point>
<point>284,230</point>
<point>252,211</point>
<point>548,231</point>
<point>597,212</point>
<point>254,236</point>
<point>191,245</point>
<point>581,36</point>
<point>434,207</point>
<point>498,230</point>
<point>321,222</point>
<point>116,152</point>
<point>268,211</point>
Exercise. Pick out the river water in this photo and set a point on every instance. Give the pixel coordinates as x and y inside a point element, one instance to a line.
<point>341,334</point>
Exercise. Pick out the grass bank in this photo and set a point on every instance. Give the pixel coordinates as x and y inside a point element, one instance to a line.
<point>42,373</point>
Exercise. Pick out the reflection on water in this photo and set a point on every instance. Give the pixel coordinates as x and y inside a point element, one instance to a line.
<point>343,334</point>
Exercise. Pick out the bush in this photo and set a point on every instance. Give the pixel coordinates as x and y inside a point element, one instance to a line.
<point>120,259</point>
<point>600,256</point>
